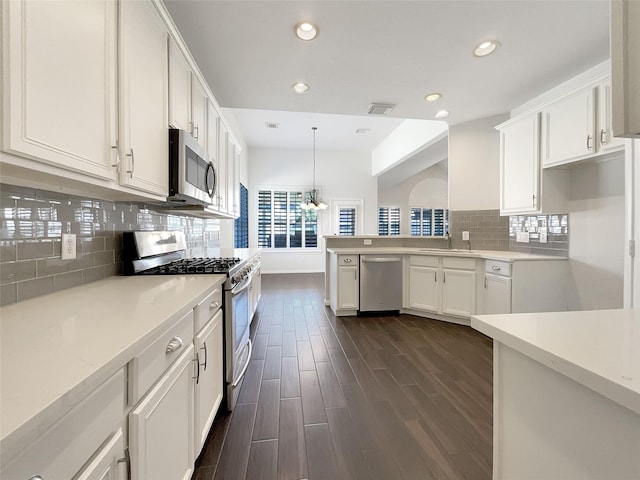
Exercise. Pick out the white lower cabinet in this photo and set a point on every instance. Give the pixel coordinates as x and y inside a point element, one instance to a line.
<point>496,294</point>
<point>63,450</point>
<point>344,280</point>
<point>459,292</point>
<point>109,463</point>
<point>209,378</point>
<point>161,426</point>
<point>441,285</point>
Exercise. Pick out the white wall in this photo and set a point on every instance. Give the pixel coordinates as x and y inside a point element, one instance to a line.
<point>427,188</point>
<point>339,175</point>
<point>474,164</point>
<point>597,235</point>
<point>409,138</point>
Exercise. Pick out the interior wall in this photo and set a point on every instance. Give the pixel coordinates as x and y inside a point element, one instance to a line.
<point>339,175</point>
<point>474,164</point>
<point>597,240</point>
<point>428,188</point>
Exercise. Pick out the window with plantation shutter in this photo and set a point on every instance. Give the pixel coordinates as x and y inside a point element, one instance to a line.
<point>241,224</point>
<point>347,221</point>
<point>282,223</point>
<point>389,221</point>
<point>429,222</point>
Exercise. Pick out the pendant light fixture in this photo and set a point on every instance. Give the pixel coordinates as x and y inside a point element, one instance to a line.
<point>311,201</point>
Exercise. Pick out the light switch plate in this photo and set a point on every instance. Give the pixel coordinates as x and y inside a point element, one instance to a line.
<point>522,237</point>
<point>543,237</point>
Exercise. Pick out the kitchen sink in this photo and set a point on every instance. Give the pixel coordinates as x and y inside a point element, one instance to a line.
<point>444,250</point>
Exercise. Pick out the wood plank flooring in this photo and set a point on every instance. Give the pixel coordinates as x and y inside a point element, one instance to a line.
<point>325,397</point>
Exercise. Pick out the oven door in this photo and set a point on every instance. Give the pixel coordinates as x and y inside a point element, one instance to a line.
<point>238,343</point>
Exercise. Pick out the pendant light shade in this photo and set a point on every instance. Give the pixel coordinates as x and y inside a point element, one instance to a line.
<point>311,201</point>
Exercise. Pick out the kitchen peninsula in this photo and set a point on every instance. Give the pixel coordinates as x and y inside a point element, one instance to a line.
<point>566,394</point>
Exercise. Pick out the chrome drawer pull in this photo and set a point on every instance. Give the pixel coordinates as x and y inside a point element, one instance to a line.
<point>214,306</point>
<point>495,267</point>
<point>175,344</point>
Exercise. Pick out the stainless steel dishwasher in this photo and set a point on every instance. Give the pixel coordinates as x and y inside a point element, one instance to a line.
<point>380,283</point>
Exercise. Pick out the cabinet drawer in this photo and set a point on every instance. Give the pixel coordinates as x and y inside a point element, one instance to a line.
<point>423,260</point>
<point>62,450</point>
<point>497,267</point>
<point>459,263</point>
<point>207,308</point>
<point>348,259</point>
<point>147,367</point>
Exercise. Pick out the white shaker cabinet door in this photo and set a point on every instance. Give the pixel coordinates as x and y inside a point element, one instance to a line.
<point>161,425</point>
<point>348,287</point>
<point>520,166</point>
<point>144,98</point>
<point>496,294</point>
<point>423,288</point>
<point>209,383</point>
<point>458,293</point>
<point>179,89</point>
<point>199,112</point>
<point>109,463</point>
<point>569,129</point>
<point>60,85</point>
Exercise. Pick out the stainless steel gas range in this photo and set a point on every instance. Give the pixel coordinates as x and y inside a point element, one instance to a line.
<point>164,253</point>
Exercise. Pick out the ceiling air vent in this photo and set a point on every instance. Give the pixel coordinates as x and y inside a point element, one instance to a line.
<point>271,125</point>
<point>380,108</point>
<point>363,130</point>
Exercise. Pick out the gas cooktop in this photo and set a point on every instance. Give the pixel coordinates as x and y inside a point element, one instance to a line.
<point>193,265</point>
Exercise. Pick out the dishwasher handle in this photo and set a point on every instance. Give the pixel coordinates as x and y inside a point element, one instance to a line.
<point>381,259</point>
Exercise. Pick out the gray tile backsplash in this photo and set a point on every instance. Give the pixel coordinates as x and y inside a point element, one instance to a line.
<point>31,225</point>
<point>487,229</point>
<point>555,226</point>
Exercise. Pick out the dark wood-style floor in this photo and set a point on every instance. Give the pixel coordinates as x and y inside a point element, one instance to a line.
<point>325,397</point>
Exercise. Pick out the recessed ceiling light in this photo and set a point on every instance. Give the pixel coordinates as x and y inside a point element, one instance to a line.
<point>306,30</point>
<point>432,97</point>
<point>442,114</point>
<point>300,87</point>
<point>485,48</point>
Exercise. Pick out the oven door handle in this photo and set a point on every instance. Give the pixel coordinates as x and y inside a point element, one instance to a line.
<point>243,285</point>
<point>246,365</point>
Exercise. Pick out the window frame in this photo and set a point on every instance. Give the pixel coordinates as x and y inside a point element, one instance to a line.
<point>289,189</point>
<point>445,222</point>
<point>346,203</point>
<point>399,220</point>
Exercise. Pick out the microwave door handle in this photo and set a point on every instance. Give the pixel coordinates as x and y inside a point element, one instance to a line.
<point>211,189</point>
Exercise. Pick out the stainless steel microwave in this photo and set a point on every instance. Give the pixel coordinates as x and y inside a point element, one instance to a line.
<point>192,175</point>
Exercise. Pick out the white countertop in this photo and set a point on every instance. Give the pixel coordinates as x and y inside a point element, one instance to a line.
<point>485,254</point>
<point>56,349</point>
<point>599,349</point>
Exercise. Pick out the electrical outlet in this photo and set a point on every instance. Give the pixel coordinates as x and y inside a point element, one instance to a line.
<point>68,246</point>
<point>543,237</point>
<point>368,241</point>
<point>465,236</point>
<point>522,237</point>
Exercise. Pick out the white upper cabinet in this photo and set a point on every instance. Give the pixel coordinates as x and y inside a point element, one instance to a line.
<point>578,126</point>
<point>604,135</point>
<point>179,89</point>
<point>520,165</point>
<point>569,128</point>
<point>199,111</point>
<point>60,85</point>
<point>223,172</point>
<point>144,98</point>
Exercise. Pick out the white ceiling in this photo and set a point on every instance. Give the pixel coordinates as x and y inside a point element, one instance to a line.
<point>384,51</point>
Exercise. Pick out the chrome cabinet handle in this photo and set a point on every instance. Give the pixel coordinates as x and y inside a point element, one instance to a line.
<point>214,306</point>
<point>534,200</point>
<point>174,344</point>
<point>485,281</point>
<point>588,142</point>
<point>495,267</point>
<point>36,477</point>
<point>347,260</point>
<point>195,131</point>
<point>117,164</point>
<point>602,136</point>
<point>197,360</point>
<point>444,277</point>
<point>435,276</point>
<point>204,365</point>
<point>133,162</point>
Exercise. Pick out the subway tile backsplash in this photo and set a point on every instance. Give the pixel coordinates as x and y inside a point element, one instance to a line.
<point>31,225</point>
<point>487,229</point>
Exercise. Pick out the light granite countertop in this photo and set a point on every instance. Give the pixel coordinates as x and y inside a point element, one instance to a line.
<point>599,349</point>
<point>483,254</point>
<point>56,349</point>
